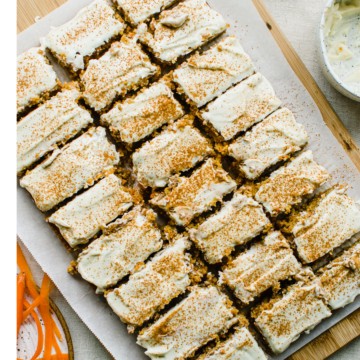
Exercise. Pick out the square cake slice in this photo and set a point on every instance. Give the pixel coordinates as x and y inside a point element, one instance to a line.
<point>76,166</point>
<point>51,124</point>
<point>36,78</point>
<point>289,185</point>
<point>267,143</point>
<point>182,29</point>
<point>200,317</point>
<point>124,67</point>
<point>341,278</point>
<point>81,38</point>
<point>124,246</point>
<point>82,218</point>
<point>241,106</point>
<point>261,267</point>
<point>188,197</point>
<point>177,148</point>
<point>136,118</point>
<point>206,76</point>
<point>239,220</point>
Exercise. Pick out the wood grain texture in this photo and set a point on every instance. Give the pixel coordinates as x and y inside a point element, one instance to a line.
<point>349,328</point>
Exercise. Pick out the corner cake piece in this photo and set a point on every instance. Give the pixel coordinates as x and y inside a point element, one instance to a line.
<point>76,166</point>
<point>79,220</point>
<point>200,317</point>
<point>329,221</point>
<point>124,67</point>
<point>177,148</point>
<point>51,124</point>
<point>124,246</point>
<point>206,76</point>
<point>282,320</point>
<point>241,107</point>
<point>164,277</point>
<point>84,36</point>
<point>341,278</point>
<point>36,78</point>
<point>182,29</point>
<point>261,267</point>
<point>136,118</point>
<point>288,185</point>
<point>137,11</point>
<point>188,197</point>
<point>239,220</point>
<point>267,143</point>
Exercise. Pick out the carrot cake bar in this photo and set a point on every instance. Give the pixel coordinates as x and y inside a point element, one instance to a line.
<point>188,197</point>
<point>79,220</point>
<point>124,67</point>
<point>241,345</point>
<point>178,148</point>
<point>164,277</point>
<point>138,117</point>
<point>330,220</point>
<point>206,76</point>
<point>76,166</point>
<point>241,106</point>
<point>182,29</point>
<point>240,220</point>
<point>284,318</point>
<point>261,267</point>
<point>125,245</point>
<point>200,317</point>
<point>288,185</point>
<point>341,278</point>
<point>85,35</point>
<point>36,78</point>
<point>51,124</point>
<point>267,143</point>
<point>137,11</point>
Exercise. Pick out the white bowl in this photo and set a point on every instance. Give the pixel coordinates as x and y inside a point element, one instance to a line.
<point>325,64</point>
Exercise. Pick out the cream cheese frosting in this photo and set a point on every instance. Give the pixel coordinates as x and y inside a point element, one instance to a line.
<point>260,268</point>
<point>239,220</point>
<point>92,27</point>
<point>206,76</point>
<point>125,244</point>
<point>168,38</point>
<point>79,220</point>
<point>52,123</point>
<point>76,166</point>
<point>269,142</point>
<point>135,118</point>
<point>178,148</point>
<point>163,278</point>
<point>288,185</point>
<point>196,320</point>
<point>188,197</point>
<point>241,106</point>
<point>334,219</point>
<point>35,76</point>
<point>122,68</point>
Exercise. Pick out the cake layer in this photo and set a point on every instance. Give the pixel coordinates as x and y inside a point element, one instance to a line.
<point>188,197</point>
<point>182,29</point>
<point>241,106</point>
<point>76,166</point>
<point>239,220</point>
<point>206,76</point>
<point>267,143</point>
<point>125,244</point>
<point>196,320</point>
<point>79,220</point>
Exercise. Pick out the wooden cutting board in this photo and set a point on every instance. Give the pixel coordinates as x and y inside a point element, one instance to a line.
<point>348,329</point>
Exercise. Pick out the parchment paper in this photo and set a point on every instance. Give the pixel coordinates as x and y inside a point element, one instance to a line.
<point>46,248</point>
